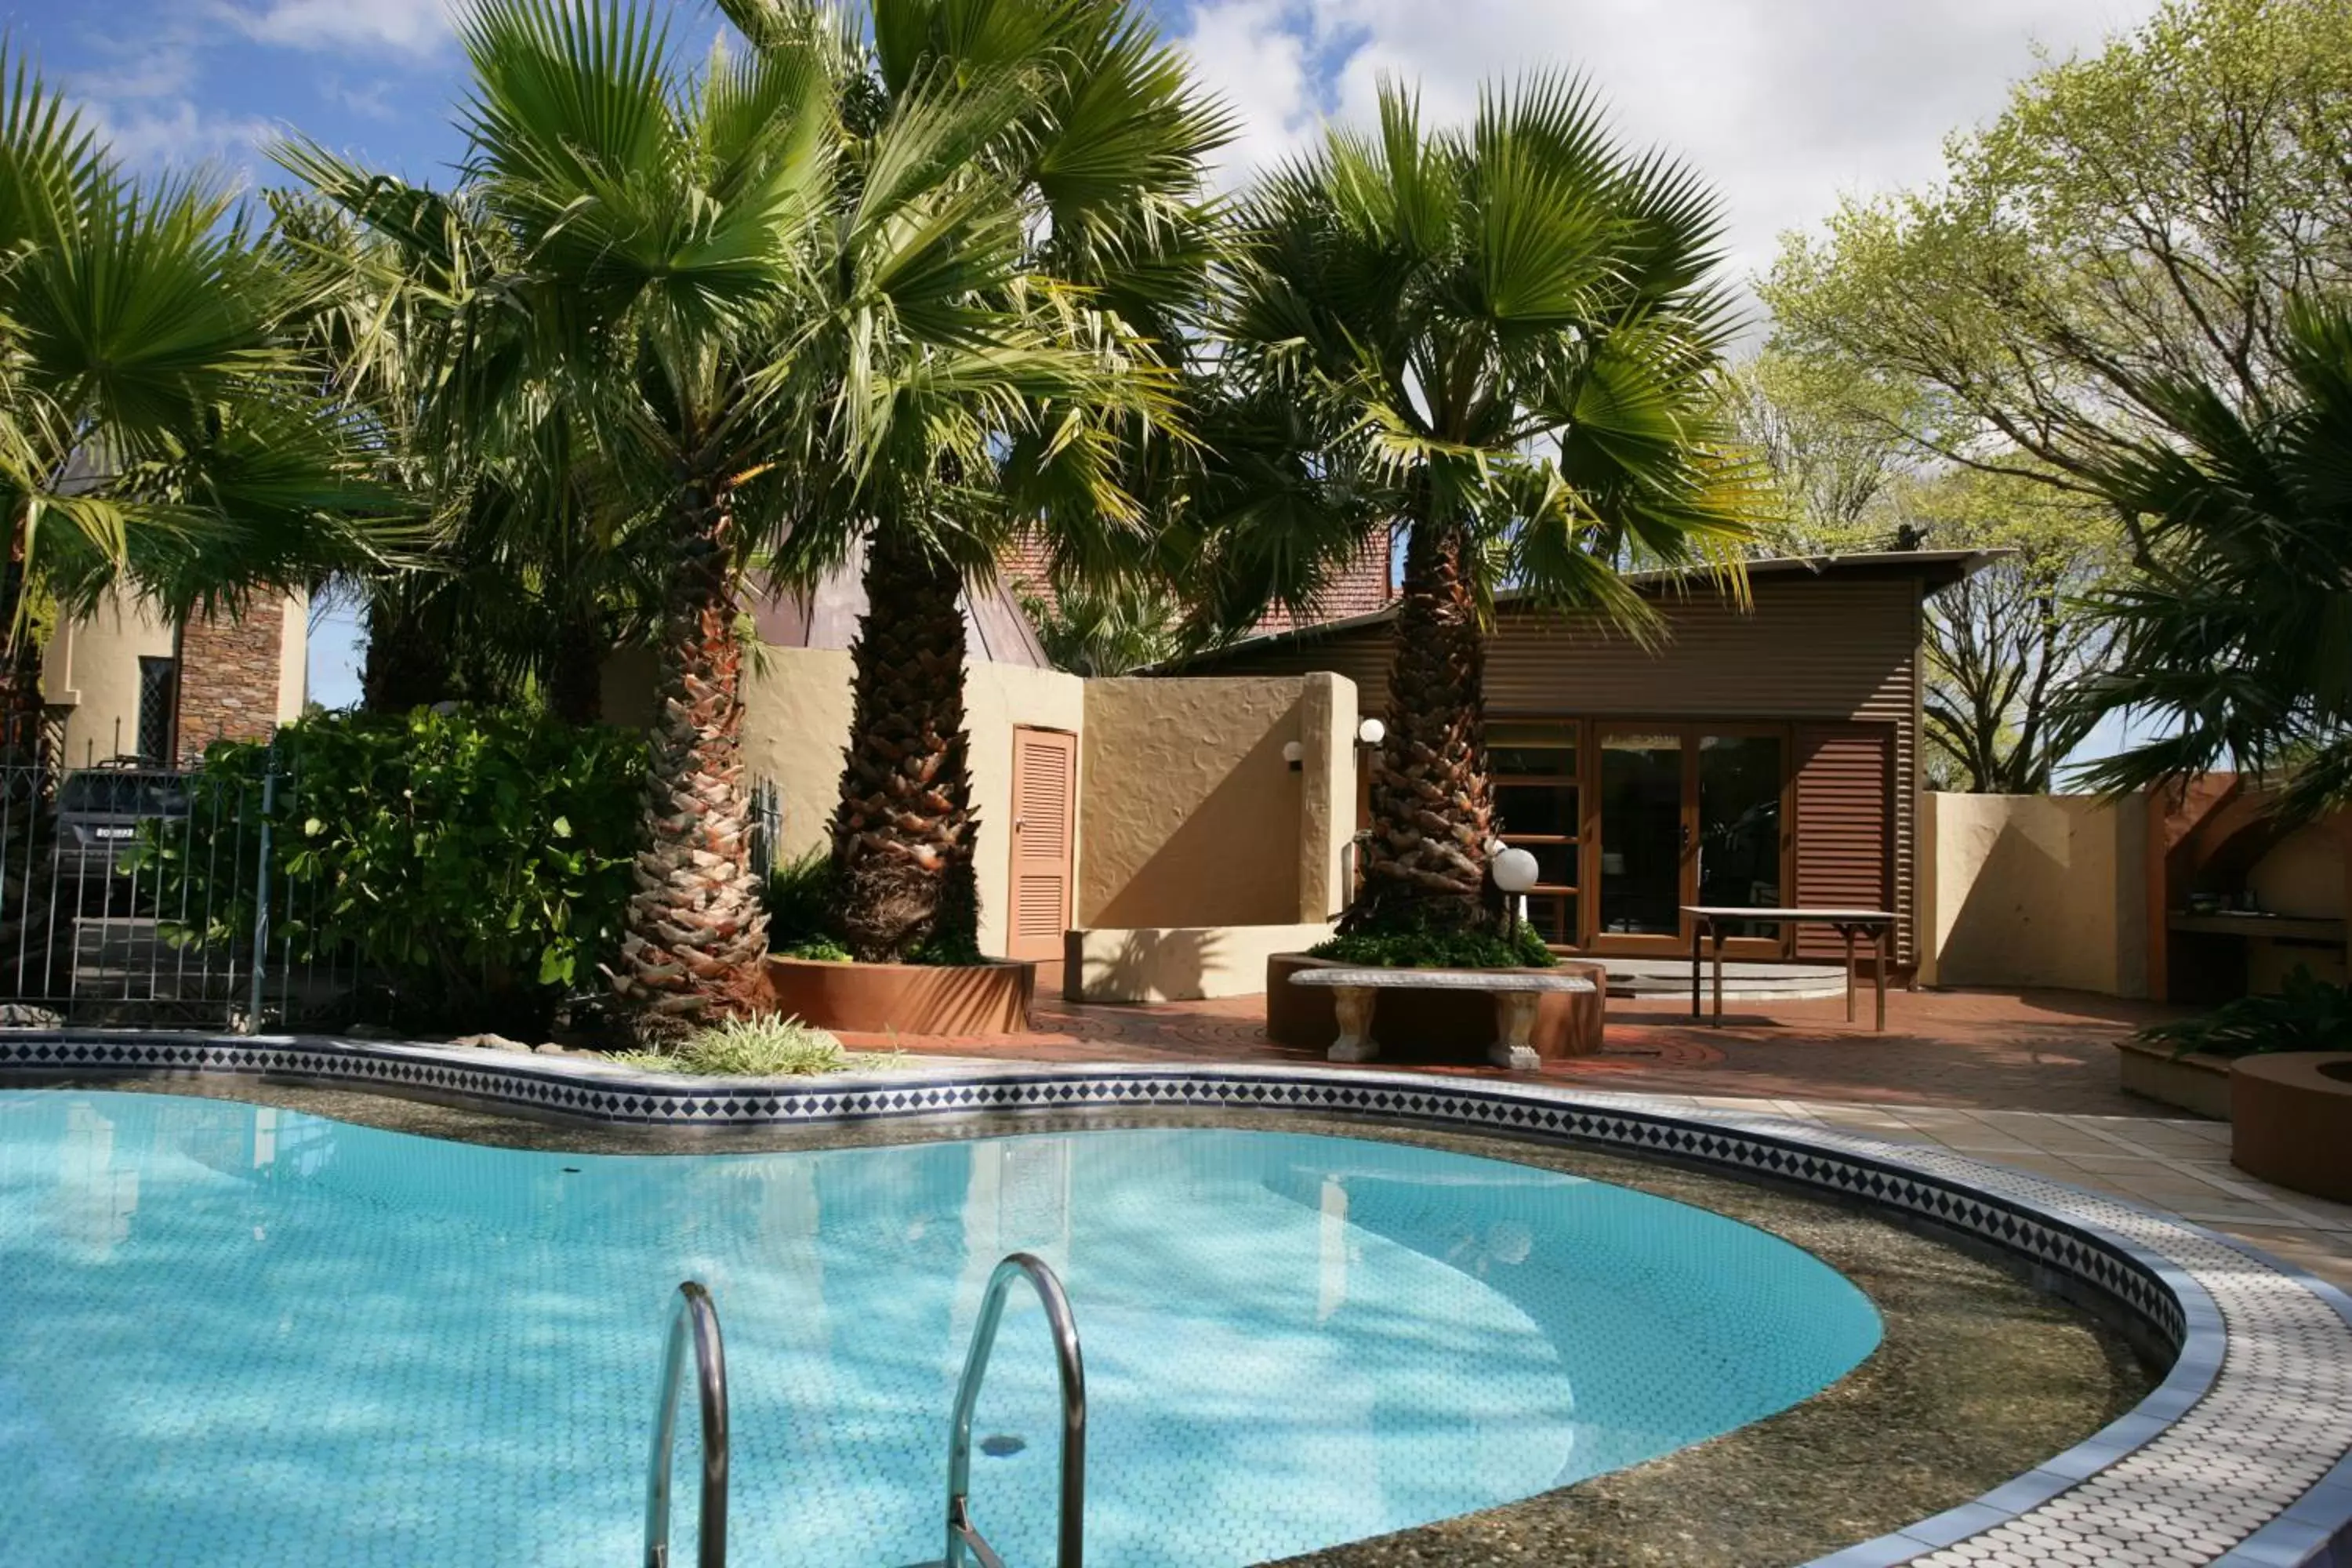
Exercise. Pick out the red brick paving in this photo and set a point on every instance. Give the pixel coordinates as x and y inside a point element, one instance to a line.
<point>1994,1050</point>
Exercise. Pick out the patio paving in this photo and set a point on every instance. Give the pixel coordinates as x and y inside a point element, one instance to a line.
<point>2019,1079</point>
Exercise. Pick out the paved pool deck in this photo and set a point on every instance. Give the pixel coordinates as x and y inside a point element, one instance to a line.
<point>2021,1078</point>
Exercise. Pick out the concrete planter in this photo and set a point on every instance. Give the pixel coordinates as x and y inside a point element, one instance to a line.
<point>2195,1082</point>
<point>906,998</point>
<point>1432,1025</point>
<point>2291,1120</point>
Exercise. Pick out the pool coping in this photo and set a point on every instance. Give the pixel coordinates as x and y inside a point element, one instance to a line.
<point>2241,1456</point>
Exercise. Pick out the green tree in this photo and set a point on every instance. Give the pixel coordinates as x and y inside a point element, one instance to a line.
<point>2136,216</point>
<point>1012,272</point>
<point>159,433</point>
<point>2234,628</point>
<point>1506,339</point>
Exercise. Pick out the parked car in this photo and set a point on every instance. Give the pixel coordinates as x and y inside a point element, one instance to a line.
<point>98,813</point>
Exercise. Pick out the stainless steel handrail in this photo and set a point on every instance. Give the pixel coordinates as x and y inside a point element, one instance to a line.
<point>962,1533</point>
<point>696,1316</point>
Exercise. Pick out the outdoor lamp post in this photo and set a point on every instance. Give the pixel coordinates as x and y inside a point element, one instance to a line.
<point>1515,871</point>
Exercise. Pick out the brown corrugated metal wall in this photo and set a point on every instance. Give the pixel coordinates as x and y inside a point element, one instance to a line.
<point>1844,848</point>
<point>1809,651</point>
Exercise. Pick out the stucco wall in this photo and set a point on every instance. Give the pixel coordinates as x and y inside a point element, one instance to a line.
<point>2303,873</point>
<point>797,712</point>
<point>93,665</point>
<point>2034,890</point>
<point>1179,965</point>
<point>1190,816</point>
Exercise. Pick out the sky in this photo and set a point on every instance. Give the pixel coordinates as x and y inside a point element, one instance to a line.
<point>1784,105</point>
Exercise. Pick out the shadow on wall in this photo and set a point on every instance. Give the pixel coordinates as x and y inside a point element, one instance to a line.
<point>2050,892</point>
<point>1232,860</point>
<point>1171,965</point>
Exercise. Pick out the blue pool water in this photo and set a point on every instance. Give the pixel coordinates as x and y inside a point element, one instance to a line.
<point>239,1335</point>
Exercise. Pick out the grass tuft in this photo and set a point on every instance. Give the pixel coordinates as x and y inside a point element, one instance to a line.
<point>769,1046</point>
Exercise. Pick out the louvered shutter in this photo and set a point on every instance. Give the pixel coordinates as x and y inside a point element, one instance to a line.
<point>1045,795</point>
<point>1845,838</point>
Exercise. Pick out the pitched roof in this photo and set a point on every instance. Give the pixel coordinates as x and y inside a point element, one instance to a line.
<point>995,630</point>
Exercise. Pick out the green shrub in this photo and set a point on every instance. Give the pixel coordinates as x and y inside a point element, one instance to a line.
<point>2308,1015</point>
<point>478,860</point>
<point>818,949</point>
<point>766,1047</point>
<point>1416,945</point>
<point>800,901</point>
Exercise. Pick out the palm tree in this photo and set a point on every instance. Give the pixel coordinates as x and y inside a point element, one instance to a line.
<point>1021,247</point>
<point>159,434</point>
<point>1504,342</point>
<point>2233,630</point>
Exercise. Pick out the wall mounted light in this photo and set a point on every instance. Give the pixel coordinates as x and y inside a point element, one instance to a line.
<point>1293,754</point>
<point>1371,732</point>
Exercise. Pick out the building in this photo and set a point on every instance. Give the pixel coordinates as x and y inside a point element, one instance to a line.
<point>126,686</point>
<point>1750,755</point>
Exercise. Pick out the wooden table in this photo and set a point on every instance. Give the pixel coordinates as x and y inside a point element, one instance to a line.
<point>1706,928</point>
<point>1515,994</point>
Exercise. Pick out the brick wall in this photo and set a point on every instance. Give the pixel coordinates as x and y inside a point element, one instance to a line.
<point>228,678</point>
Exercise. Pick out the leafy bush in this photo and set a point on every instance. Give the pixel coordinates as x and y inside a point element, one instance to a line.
<point>1421,946</point>
<point>767,1046</point>
<point>478,860</point>
<point>816,948</point>
<point>2308,1015</point>
<point>800,901</point>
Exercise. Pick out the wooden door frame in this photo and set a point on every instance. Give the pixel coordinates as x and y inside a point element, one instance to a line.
<point>1048,967</point>
<point>1598,943</point>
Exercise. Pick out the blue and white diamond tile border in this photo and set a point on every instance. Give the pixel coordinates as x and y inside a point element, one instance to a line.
<point>2241,1457</point>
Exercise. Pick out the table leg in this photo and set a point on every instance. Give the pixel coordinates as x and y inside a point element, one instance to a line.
<point>1714,941</point>
<point>1515,1027</point>
<point>1847,932</point>
<point>1698,937</point>
<point>1353,1005</point>
<point>1879,945</point>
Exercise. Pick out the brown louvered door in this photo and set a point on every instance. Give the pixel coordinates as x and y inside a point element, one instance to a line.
<point>1045,803</point>
<point>1846,832</point>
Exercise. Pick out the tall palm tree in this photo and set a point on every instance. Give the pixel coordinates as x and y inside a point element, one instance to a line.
<point>1019,249</point>
<point>2233,631</point>
<point>1504,340</point>
<point>159,433</point>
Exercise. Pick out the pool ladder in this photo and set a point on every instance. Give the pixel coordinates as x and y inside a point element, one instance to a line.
<point>696,1321</point>
<point>1070,1546</point>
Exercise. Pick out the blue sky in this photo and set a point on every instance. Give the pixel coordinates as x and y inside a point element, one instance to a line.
<point>1784,104</point>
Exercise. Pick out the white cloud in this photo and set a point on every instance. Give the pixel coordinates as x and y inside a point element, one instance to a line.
<point>409,27</point>
<point>178,135</point>
<point>1783,105</point>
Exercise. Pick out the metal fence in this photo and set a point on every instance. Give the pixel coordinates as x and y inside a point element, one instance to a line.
<point>132,895</point>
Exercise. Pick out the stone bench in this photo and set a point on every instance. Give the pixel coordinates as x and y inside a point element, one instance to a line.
<point>1516,991</point>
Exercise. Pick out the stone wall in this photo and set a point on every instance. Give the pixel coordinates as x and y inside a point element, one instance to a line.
<point>230,677</point>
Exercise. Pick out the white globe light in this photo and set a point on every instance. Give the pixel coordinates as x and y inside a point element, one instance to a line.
<point>1371,731</point>
<point>1516,871</point>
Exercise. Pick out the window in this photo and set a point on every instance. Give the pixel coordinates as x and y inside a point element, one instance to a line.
<point>1533,771</point>
<point>159,687</point>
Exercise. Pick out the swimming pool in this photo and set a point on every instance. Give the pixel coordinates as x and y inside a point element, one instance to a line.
<point>241,1334</point>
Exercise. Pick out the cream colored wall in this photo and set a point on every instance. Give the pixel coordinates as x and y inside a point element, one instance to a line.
<point>797,704</point>
<point>294,657</point>
<point>997,700</point>
<point>1189,813</point>
<point>93,665</point>
<point>2034,890</point>
<point>1112,964</point>
<point>2303,873</point>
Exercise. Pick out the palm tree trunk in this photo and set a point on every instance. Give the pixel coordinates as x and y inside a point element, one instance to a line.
<point>696,928</point>
<point>408,666</point>
<point>902,834</point>
<point>1432,807</point>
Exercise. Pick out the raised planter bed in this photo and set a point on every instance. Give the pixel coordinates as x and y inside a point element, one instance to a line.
<point>2291,1120</point>
<point>906,998</point>
<point>1432,1025</point>
<point>2196,1082</point>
